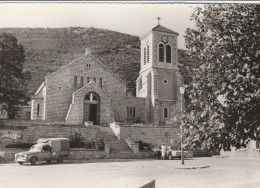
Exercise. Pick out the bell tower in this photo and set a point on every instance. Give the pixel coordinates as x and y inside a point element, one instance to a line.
<point>157,81</point>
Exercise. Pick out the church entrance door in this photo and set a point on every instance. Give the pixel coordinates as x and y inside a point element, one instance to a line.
<point>91,108</point>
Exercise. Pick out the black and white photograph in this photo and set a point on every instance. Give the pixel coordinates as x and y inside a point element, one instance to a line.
<point>128,94</point>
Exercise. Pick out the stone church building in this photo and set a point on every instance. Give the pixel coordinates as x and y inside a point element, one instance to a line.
<point>86,90</point>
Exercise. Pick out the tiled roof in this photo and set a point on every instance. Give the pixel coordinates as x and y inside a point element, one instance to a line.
<point>163,29</point>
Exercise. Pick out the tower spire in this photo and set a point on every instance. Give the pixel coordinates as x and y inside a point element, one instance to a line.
<point>158,20</point>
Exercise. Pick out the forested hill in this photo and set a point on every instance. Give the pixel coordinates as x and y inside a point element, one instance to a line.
<point>47,49</point>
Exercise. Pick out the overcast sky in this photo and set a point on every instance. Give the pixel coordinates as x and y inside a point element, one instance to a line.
<point>134,19</point>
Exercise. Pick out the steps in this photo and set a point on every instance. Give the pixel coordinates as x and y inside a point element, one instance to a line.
<point>119,149</point>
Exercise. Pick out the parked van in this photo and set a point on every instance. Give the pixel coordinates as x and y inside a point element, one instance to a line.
<point>46,149</point>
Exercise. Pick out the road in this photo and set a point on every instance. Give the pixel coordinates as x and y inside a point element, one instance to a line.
<point>222,172</point>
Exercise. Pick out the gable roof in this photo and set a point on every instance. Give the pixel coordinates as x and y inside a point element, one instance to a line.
<point>163,29</point>
<point>83,57</point>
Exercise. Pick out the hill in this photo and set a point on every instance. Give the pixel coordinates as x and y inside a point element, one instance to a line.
<point>47,49</point>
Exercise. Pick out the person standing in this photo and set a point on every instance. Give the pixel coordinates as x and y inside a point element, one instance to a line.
<point>163,151</point>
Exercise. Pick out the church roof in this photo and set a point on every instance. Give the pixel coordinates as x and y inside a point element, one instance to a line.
<point>163,29</point>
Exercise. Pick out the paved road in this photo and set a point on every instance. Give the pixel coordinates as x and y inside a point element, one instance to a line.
<point>223,172</point>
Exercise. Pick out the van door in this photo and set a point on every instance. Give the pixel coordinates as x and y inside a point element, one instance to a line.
<point>46,152</point>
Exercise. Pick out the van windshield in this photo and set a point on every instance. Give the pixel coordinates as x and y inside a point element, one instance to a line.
<point>36,148</point>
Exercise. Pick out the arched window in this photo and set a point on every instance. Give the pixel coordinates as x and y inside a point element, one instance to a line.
<point>88,79</point>
<point>75,80</point>
<point>165,113</point>
<point>38,109</point>
<point>148,54</point>
<point>168,54</point>
<point>81,81</point>
<point>144,55</point>
<point>161,53</point>
<point>100,82</point>
<point>94,79</point>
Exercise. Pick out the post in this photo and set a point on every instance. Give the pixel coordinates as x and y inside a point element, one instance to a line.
<point>182,89</point>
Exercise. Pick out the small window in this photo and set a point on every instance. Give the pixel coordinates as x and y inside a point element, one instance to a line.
<point>38,109</point>
<point>144,55</point>
<point>88,79</point>
<point>94,79</point>
<point>148,54</point>
<point>114,92</point>
<point>140,83</point>
<point>81,81</point>
<point>161,53</point>
<point>130,112</point>
<point>100,82</point>
<point>59,88</point>
<point>168,54</point>
<point>75,80</point>
<point>165,113</point>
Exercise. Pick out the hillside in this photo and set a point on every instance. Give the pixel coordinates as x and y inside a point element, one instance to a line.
<point>47,49</point>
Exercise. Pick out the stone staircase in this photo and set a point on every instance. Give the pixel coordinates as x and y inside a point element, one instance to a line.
<point>119,149</point>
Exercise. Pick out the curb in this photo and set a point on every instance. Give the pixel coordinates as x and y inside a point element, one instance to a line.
<point>193,167</point>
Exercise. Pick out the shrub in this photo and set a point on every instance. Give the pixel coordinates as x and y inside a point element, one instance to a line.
<point>19,145</point>
<point>100,145</point>
<point>144,145</point>
<point>76,141</point>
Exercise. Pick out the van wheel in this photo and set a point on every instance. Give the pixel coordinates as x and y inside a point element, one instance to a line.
<point>49,161</point>
<point>33,160</point>
<point>60,159</point>
<point>20,163</point>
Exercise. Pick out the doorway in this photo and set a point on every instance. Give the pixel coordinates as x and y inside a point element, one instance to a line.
<point>92,108</point>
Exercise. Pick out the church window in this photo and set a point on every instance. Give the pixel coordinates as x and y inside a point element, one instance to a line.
<point>140,83</point>
<point>161,53</point>
<point>165,81</point>
<point>148,54</point>
<point>94,79</point>
<point>88,79</point>
<point>81,81</point>
<point>168,54</point>
<point>165,113</point>
<point>38,109</point>
<point>75,80</point>
<point>88,65</point>
<point>144,55</point>
<point>100,82</point>
<point>130,112</point>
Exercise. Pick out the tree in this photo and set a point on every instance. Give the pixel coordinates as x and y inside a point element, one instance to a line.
<point>12,78</point>
<point>224,92</point>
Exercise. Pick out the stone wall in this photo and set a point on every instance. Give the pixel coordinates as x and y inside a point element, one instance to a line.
<point>149,134</point>
<point>33,133</point>
<point>85,154</point>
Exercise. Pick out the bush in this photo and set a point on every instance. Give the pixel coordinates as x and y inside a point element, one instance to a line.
<point>144,145</point>
<point>100,145</point>
<point>19,145</point>
<point>76,141</point>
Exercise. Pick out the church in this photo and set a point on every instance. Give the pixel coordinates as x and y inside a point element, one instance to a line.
<point>85,90</point>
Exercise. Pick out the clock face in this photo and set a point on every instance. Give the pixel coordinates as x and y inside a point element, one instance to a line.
<point>165,39</point>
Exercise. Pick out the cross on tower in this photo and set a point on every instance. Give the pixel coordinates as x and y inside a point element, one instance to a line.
<point>158,20</point>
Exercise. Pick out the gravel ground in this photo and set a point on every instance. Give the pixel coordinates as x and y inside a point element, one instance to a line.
<point>198,172</point>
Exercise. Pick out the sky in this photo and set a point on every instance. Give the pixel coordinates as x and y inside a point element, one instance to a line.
<point>131,18</point>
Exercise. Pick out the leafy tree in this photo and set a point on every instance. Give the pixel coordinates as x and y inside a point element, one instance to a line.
<point>224,92</point>
<point>12,78</point>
